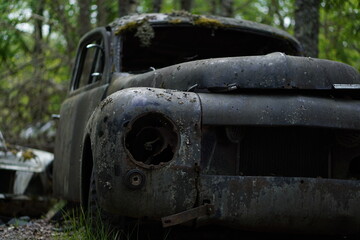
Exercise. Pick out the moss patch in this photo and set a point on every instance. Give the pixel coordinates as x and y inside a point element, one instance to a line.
<point>130,26</point>
<point>144,31</point>
<point>175,21</point>
<point>208,22</point>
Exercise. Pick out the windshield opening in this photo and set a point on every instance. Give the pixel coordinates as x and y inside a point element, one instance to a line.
<point>173,45</point>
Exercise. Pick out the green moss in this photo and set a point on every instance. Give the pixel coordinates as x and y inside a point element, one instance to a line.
<point>130,26</point>
<point>175,21</point>
<point>144,31</point>
<point>208,22</point>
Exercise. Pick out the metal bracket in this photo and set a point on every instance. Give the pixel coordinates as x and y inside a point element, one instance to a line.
<point>346,86</point>
<point>201,211</point>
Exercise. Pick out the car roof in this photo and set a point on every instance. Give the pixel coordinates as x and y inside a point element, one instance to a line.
<point>132,22</point>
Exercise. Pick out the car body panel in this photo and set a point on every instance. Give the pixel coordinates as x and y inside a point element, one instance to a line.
<point>297,205</point>
<point>25,180</point>
<point>127,23</point>
<point>16,162</point>
<point>112,118</point>
<point>239,137</point>
<point>74,114</point>
<point>280,110</point>
<point>256,203</point>
<point>278,71</point>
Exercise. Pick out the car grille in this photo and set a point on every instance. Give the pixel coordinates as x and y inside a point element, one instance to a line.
<point>267,151</point>
<point>284,152</point>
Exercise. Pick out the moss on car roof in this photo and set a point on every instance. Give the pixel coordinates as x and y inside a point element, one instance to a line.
<point>142,25</point>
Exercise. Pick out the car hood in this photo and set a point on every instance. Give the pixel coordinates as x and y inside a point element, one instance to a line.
<point>272,71</point>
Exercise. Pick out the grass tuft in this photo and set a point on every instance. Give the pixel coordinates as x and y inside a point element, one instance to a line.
<point>81,225</point>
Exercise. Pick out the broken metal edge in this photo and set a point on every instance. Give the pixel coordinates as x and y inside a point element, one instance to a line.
<point>346,86</point>
<point>185,216</point>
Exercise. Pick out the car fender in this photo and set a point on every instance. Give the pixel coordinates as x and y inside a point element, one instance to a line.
<point>133,187</point>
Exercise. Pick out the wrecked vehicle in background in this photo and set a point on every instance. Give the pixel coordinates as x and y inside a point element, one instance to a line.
<point>25,180</point>
<point>198,120</point>
<point>40,135</point>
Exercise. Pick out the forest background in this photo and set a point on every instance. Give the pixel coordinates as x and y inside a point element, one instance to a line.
<point>38,41</point>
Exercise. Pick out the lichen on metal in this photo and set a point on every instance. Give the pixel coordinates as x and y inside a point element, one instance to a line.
<point>209,22</point>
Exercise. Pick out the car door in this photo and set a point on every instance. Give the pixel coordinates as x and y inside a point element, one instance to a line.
<point>88,87</point>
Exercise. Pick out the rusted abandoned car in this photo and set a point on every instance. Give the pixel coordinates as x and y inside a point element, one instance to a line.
<point>25,180</point>
<point>192,119</point>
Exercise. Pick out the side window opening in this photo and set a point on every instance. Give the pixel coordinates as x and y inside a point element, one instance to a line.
<point>98,62</point>
<point>90,63</point>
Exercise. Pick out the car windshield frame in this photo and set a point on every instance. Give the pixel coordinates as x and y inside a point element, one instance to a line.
<point>176,40</point>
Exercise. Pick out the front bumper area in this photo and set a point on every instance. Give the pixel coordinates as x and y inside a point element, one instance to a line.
<point>190,179</point>
<point>279,204</point>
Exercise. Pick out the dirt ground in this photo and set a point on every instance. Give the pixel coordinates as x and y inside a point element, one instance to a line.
<point>37,229</point>
<point>33,230</point>
<point>25,228</point>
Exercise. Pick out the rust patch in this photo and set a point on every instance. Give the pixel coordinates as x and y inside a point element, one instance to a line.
<point>105,102</point>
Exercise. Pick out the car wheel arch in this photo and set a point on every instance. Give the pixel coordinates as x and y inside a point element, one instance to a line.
<point>86,170</point>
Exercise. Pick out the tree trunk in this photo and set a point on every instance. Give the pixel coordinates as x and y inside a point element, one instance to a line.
<point>127,7</point>
<point>157,5</point>
<point>38,34</point>
<point>227,8</point>
<point>68,29</point>
<point>186,5</point>
<point>213,7</point>
<point>37,88</point>
<point>307,25</point>
<point>84,16</point>
<point>38,59</point>
<point>102,13</point>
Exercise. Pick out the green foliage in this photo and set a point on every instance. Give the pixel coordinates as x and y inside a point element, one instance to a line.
<point>340,30</point>
<point>13,40</point>
<point>33,79</point>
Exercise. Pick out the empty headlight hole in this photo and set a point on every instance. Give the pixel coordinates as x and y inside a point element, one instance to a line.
<point>152,139</point>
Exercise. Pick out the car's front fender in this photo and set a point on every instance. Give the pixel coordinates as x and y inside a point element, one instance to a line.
<point>156,177</point>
